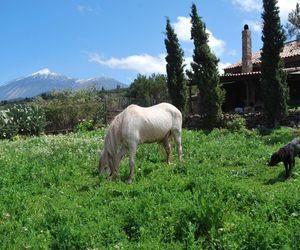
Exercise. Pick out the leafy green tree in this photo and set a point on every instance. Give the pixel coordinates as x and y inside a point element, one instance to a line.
<point>175,70</point>
<point>293,25</point>
<point>204,73</point>
<point>273,82</point>
<point>152,89</point>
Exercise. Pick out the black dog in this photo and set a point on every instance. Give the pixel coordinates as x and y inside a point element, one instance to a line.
<point>287,155</point>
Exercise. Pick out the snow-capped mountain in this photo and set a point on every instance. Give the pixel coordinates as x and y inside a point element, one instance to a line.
<point>46,81</point>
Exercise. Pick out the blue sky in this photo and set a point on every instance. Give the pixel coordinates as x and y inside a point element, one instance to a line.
<point>117,38</point>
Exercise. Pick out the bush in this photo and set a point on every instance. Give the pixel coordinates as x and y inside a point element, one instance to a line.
<point>64,110</point>
<point>237,124</point>
<point>21,119</point>
<point>68,116</point>
<point>149,90</point>
<point>7,127</point>
<point>84,126</point>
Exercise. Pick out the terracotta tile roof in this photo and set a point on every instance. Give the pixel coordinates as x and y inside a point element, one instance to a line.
<point>235,76</point>
<point>290,50</point>
<point>240,75</point>
<point>243,74</point>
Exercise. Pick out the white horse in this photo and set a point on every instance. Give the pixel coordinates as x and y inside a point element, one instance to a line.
<point>136,125</point>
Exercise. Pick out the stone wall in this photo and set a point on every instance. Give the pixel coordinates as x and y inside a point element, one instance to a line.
<point>253,120</point>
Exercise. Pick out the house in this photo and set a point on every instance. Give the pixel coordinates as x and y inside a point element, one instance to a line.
<point>241,80</point>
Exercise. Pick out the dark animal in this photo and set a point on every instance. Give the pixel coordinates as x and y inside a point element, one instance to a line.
<point>287,155</point>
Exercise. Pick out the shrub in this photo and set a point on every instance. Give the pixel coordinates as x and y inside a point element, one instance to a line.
<point>237,124</point>
<point>84,126</point>
<point>21,119</point>
<point>7,127</point>
<point>67,116</point>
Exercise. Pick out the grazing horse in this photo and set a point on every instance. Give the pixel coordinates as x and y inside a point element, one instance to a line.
<point>137,125</point>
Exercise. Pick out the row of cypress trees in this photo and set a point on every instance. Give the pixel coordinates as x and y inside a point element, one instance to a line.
<point>204,69</point>
<point>203,73</point>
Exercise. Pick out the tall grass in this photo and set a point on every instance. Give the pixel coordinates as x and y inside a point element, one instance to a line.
<point>222,196</point>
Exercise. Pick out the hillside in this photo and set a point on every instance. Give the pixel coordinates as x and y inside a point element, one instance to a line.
<point>46,81</point>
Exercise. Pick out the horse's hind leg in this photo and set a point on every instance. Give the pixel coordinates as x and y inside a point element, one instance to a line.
<point>132,152</point>
<point>167,147</point>
<point>177,137</point>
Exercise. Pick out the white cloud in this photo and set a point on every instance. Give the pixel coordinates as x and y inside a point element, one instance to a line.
<point>286,6</point>
<point>221,67</point>
<point>83,8</point>
<point>187,61</point>
<point>217,45</point>
<point>143,64</point>
<point>248,5</point>
<point>183,27</point>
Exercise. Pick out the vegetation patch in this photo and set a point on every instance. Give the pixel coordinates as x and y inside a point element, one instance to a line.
<point>222,196</point>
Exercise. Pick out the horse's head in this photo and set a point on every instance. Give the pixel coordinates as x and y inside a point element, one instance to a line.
<point>275,159</point>
<point>105,163</point>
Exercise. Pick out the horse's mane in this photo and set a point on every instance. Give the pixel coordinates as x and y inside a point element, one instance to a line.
<point>112,138</point>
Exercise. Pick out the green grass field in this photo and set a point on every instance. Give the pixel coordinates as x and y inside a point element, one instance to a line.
<point>222,196</point>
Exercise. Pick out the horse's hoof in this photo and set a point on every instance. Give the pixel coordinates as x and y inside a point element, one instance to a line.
<point>129,181</point>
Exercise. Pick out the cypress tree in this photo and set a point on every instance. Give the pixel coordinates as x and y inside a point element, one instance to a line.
<point>293,25</point>
<point>273,82</point>
<point>175,69</point>
<point>204,73</point>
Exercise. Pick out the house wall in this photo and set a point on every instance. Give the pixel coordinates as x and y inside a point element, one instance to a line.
<point>294,93</point>
<point>235,96</point>
<point>246,93</point>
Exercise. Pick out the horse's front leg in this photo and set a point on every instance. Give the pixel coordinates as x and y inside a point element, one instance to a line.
<point>287,172</point>
<point>122,151</point>
<point>132,153</point>
<point>293,163</point>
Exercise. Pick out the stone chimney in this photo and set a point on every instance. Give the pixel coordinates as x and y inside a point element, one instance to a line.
<point>246,50</point>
